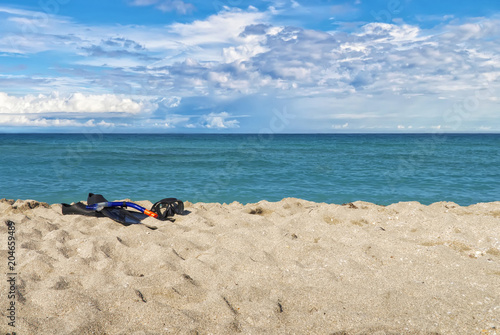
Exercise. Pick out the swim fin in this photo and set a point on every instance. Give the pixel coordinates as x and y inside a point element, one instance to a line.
<point>117,214</point>
<point>80,209</point>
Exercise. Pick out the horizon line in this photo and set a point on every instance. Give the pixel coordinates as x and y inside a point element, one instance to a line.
<point>250,133</point>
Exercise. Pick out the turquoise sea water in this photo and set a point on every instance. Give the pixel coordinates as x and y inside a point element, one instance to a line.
<point>379,168</point>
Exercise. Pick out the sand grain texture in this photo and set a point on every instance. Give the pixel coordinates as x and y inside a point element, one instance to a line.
<point>290,267</point>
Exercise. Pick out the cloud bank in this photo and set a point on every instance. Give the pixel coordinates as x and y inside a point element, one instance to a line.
<point>76,103</point>
<point>385,76</point>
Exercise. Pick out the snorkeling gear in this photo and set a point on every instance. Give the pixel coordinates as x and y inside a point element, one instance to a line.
<point>98,206</point>
<point>167,207</point>
<point>124,204</point>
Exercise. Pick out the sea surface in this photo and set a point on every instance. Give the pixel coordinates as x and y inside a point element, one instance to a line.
<point>333,168</point>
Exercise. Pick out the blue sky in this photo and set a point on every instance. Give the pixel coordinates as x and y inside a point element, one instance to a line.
<point>248,67</point>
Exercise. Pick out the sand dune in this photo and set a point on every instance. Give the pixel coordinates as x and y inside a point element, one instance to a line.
<point>290,267</point>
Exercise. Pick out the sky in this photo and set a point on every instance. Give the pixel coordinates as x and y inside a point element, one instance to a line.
<point>264,66</point>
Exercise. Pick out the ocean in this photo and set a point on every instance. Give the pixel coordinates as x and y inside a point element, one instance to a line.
<point>331,168</point>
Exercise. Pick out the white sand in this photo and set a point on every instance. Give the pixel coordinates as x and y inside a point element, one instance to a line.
<point>291,267</point>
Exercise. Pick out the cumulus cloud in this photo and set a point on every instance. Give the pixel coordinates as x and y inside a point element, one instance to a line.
<point>77,103</point>
<point>87,110</point>
<point>379,57</point>
<point>224,27</point>
<point>219,121</point>
<point>27,121</point>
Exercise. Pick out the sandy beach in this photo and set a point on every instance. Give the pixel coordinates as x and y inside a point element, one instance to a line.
<point>288,267</point>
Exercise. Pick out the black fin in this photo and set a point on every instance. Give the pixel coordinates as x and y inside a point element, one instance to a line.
<point>117,214</point>
<point>80,209</point>
<point>122,216</point>
<point>95,198</point>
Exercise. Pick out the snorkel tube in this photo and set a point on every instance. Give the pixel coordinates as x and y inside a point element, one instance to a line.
<point>100,205</point>
<point>161,210</point>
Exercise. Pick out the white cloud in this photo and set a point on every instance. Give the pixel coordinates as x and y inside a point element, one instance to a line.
<point>86,110</point>
<point>473,30</point>
<point>179,6</point>
<point>170,102</point>
<point>225,27</point>
<point>16,11</point>
<point>116,46</point>
<point>340,126</point>
<point>33,31</point>
<point>377,31</point>
<point>27,121</point>
<point>76,103</point>
<point>219,121</point>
